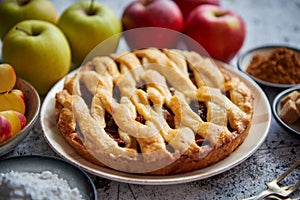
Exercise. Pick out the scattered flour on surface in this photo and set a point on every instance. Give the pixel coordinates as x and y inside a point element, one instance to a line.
<point>36,186</point>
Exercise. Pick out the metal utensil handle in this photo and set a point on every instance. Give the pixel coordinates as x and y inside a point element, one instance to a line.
<point>275,189</point>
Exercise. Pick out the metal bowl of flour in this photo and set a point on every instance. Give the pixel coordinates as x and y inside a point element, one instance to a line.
<point>63,171</point>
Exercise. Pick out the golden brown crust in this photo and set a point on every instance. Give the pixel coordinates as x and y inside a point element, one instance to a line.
<point>146,141</point>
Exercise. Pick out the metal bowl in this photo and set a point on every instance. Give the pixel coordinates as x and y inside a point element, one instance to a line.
<point>276,107</point>
<point>75,177</point>
<point>246,57</point>
<point>32,101</point>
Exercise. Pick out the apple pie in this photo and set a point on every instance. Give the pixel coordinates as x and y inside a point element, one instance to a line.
<point>154,111</point>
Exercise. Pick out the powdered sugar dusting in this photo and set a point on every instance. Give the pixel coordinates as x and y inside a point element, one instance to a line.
<point>44,185</point>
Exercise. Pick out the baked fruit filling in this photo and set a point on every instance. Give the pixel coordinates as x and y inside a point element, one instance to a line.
<point>154,111</point>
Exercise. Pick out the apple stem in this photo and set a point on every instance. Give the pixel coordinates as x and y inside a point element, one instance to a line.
<point>91,8</point>
<point>147,2</point>
<point>20,29</point>
<point>23,2</point>
<point>220,14</point>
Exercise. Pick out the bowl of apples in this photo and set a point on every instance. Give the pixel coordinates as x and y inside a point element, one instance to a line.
<point>19,108</point>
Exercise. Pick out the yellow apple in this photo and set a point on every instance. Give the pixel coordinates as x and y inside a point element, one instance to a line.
<point>86,24</point>
<point>7,78</point>
<point>11,122</point>
<point>14,11</point>
<point>13,100</point>
<point>39,52</point>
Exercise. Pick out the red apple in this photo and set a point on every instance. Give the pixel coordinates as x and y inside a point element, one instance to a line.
<point>5,129</point>
<point>22,118</point>
<point>219,31</point>
<point>11,122</point>
<point>186,6</point>
<point>164,15</point>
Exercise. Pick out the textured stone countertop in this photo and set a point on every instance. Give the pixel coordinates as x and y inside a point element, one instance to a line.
<point>268,22</point>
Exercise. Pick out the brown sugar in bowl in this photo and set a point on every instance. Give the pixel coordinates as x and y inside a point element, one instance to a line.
<point>274,65</point>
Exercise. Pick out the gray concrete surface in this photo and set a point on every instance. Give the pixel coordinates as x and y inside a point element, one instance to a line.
<point>268,22</point>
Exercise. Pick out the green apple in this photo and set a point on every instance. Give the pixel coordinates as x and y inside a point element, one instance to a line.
<point>39,52</point>
<point>13,100</point>
<point>87,24</point>
<point>7,78</point>
<point>14,11</point>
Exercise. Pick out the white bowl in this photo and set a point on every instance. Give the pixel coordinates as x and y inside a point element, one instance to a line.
<point>246,57</point>
<point>32,101</point>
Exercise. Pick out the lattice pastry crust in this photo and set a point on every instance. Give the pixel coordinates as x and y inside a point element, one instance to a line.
<point>154,111</point>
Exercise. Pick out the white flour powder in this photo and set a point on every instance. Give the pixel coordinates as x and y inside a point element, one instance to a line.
<point>36,186</point>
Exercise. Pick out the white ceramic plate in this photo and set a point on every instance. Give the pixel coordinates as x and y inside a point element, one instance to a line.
<point>257,134</point>
<point>245,59</point>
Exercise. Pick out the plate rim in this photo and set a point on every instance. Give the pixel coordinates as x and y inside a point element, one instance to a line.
<point>163,179</point>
